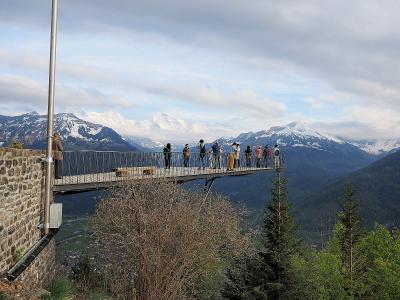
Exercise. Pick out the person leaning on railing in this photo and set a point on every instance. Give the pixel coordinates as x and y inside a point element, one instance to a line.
<point>231,158</point>
<point>258,156</point>
<point>58,155</point>
<point>267,155</point>
<point>216,156</point>
<point>236,153</point>
<point>211,157</point>
<point>221,154</point>
<point>186,155</point>
<point>248,156</point>
<point>276,157</point>
<point>202,154</point>
<point>167,156</point>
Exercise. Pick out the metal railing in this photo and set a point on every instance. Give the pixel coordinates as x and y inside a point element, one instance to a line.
<point>105,166</point>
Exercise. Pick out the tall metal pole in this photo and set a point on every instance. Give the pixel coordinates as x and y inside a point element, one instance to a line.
<point>50,116</point>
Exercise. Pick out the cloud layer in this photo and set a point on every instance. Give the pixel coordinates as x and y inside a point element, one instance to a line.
<point>177,66</point>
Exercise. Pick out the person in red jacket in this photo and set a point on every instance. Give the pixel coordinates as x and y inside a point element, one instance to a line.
<point>267,155</point>
<point>258,156</point>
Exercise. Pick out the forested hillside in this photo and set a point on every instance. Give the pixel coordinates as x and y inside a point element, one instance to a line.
<point>377,187</point>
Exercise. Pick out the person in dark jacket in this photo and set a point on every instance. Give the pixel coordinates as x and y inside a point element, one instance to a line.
<point>167,156</point>
<point>186,155</point>
<point>248,156</point>
<point>202,154</point>
<point>58,155</point>
<point>216,153</point>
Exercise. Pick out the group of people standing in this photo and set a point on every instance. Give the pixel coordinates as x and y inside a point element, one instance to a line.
<point>262,157</point>
<point>215,154</point>
<point>186,152</point>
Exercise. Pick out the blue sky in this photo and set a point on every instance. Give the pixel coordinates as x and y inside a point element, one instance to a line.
<point>184,70</point>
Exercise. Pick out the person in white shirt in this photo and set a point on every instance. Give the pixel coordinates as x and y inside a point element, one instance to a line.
<point>277,157</point>
<point>237,156</point>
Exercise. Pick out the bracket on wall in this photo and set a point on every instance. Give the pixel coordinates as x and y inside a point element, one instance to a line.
<point>47,159</point>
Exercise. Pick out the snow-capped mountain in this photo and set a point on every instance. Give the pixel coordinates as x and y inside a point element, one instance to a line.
<point>31,130</point>
<point>377,147</point>
<point>76,133</point>
<point>300,135</point>
<point>312,158</point>
<point>293,135</point>
<point>144,143</point>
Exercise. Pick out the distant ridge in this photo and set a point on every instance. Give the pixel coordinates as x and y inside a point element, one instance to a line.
<point>300,135</point>
<point>144,144</point>
<point>377,188</point>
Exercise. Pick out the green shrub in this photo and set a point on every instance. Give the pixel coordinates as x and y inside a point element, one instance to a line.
<point>3,296</point>
<point>85,275</point>
<point>59,289</point>
<point>98,296</point>
<point>18,255</point>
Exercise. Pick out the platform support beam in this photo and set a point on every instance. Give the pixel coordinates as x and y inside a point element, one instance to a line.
<point>208,185</point>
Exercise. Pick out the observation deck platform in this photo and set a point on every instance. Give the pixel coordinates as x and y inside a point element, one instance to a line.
<point>91,170</point>
<point>86,182</point>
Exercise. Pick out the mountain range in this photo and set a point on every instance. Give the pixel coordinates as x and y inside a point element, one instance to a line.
<point>31,130</point>
<point>300,135</point>
<point>312,158</point>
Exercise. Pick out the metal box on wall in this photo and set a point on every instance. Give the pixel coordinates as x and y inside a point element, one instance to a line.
<point>55,215</point>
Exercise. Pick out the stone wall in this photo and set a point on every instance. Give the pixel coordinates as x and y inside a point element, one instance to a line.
<point>22,176</point>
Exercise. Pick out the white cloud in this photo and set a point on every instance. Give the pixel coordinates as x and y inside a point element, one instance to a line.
<point>163,127</point>
<point>245,101</point>
<point>380,121</point>
<point>362,122</point>
<point>351,47</point>
<point>39,63</point>
<point>327,101</point>
<point>314,103</point>
<point>20,90</point>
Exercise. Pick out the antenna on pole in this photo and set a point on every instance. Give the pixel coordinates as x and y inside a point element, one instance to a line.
<point>50,115</point>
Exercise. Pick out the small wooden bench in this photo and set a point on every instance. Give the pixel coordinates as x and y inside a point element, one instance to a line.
<point>121,172</point>
<point>124,172</point>
<point>148,171</point>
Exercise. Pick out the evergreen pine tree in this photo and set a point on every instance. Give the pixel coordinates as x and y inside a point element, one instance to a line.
<point>280,244</point>
<point>350,237</point>
<point>270,274</point>
<point>244,279</point>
